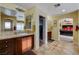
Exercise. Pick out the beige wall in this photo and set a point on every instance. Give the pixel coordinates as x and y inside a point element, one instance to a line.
<point>50,23</point>
<point>73,15</point>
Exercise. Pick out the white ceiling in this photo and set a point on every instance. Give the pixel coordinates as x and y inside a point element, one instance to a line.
<point>50,9</point>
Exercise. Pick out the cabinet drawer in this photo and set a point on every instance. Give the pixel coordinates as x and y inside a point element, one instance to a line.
<point>11,47</point>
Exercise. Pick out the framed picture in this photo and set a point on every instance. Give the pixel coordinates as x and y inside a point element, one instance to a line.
<point>55,23</point>
<point>28,22</point>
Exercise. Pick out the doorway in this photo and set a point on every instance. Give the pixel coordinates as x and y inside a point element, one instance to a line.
<point>41,30</point>
<point>66,29</point>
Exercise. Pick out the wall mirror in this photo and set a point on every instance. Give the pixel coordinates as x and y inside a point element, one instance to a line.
<point>7,19</point>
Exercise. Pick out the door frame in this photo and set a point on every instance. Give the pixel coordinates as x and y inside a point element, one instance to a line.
<point>42,29</point>
<point>36,41</point>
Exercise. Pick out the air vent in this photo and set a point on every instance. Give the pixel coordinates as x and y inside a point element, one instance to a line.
<point>20,9</point>
<point>57,5</point>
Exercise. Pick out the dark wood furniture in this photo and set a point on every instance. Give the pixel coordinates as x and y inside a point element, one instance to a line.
<point>16,46</point>
<point>49,35</point>
<point>7,46</point>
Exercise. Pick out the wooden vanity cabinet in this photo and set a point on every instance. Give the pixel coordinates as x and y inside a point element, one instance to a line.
<point>2,47</point>
<point>16,46</point>
<point>7,47</point>
<point>24,44</point>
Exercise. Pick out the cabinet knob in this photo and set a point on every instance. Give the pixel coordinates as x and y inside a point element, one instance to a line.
<point>6,41</point>
<point>6,46</point>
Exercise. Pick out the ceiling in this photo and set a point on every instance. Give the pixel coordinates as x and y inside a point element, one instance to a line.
<point>50,9</point>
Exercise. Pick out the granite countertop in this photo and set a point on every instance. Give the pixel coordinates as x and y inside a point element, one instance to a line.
<point>8,35</point>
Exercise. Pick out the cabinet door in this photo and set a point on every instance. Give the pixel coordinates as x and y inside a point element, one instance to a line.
<point>2,47</point>
<point>18,46</point>
<point>29,42</point>
<point>10,45</point>
<point>26,43</point>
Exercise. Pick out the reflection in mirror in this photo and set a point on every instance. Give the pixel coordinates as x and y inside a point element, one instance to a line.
<point>20,26</point>
<point>7,19</point>
<point>7,25</point>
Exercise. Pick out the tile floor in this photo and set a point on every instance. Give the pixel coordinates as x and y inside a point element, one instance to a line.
<point>61,47</point>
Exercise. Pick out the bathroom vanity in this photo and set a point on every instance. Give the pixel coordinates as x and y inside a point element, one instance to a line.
<point>16,43</point>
